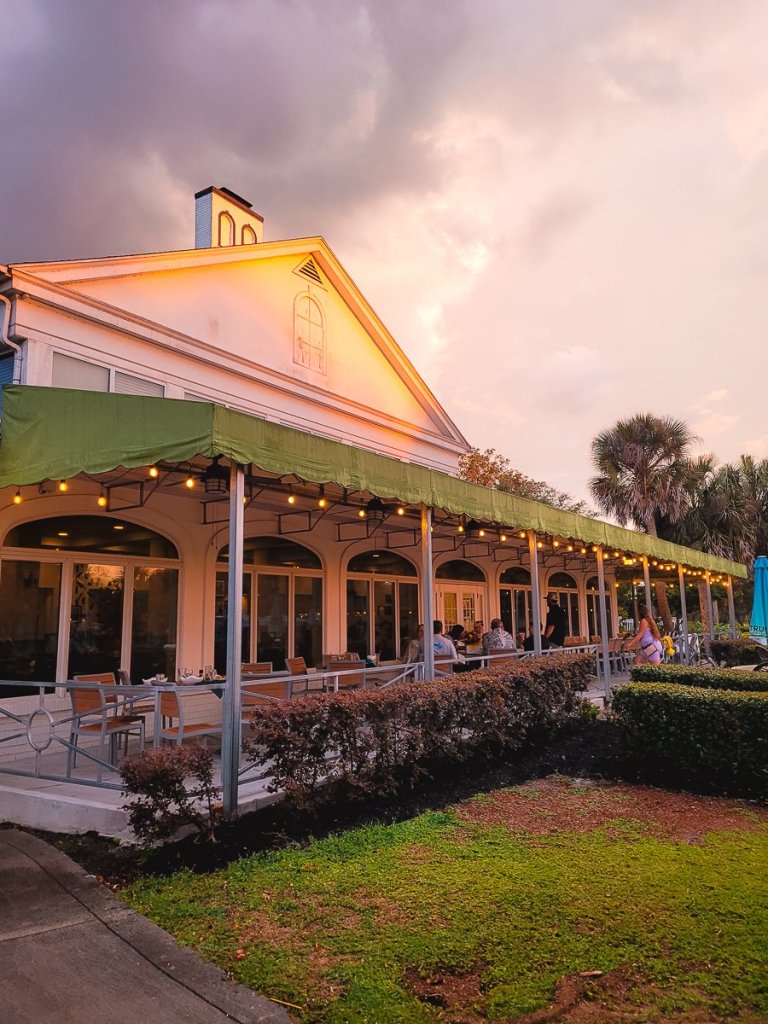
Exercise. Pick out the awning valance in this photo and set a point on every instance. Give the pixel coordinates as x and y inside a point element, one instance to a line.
<point>52,433</point>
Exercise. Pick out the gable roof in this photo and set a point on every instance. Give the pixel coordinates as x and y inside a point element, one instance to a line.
<point>73,276</point>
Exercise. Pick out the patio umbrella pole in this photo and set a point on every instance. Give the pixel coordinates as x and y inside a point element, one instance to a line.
<point>230,720</point>
<point>428,596</point>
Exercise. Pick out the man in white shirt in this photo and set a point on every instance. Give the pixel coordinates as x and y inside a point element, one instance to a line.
<point>498,639</point>
<point>443,646</point>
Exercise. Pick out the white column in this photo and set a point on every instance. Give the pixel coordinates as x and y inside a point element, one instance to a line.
<point>731,608</point>
<point>710,606</point>
<point>230,711</point>
<point>647,578</point>
<point>427,591</point>
<point>683,614</point>
<point>533,554</point>
<point>603,622</point>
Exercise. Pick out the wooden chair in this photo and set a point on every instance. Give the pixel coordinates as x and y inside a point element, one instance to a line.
<point>256,668</point>
<point>172,710</point>
<point>349,681</point>
<point>91,709</point>
<point>256,695</point>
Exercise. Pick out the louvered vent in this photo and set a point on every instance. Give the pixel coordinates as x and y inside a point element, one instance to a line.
<point>310,271</point>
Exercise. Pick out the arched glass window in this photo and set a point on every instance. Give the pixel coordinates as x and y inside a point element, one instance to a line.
<point>122,601</point>
<point>382,563</point>
<point>516,575</point>
<point>562,581</point>
<point>101,535</point>
<point>226,229</point>
<point>309,333</point>
<point>276,552</point>
<point>248,235</point>
<point>593,608</point>
<point>515,599</point>
<point>460,569</point>
<point>382,614</point>
<point>282,603</point>
<point>565,587</point>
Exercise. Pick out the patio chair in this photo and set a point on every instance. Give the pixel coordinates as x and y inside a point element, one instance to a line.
<point>172,710</point>
<point>91,717</point>
<point>256,695</point>
<point>127,712</point>
<point>256,668</point>
<point>298,667</point>
<point>351,681</point>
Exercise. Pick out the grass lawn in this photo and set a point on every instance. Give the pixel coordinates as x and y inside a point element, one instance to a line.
<point>495,910</point>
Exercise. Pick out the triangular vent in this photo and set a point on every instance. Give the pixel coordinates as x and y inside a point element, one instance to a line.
<point>310,271</point>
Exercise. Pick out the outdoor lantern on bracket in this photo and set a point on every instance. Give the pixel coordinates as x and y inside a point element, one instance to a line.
<point>216,478</point>
<point>475,530</point>
<point>375,511</point>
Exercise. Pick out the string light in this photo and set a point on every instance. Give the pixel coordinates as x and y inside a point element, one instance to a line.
<point>401,510</point>
<point>63,486</point>
<point>17,498</point>
<point>291,498</point>
<point>503,537</point>
<point>102,501</point>
<point>322,502</point>
<point>189,483</point>
<point>361,513</point>
<point>460,528</point>
<point>154,472</point>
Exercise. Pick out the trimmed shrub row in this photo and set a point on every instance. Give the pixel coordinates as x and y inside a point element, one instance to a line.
<point>736,652</point>
<point>712,738</point>
<point>693,675</point>
<point>376,741</point>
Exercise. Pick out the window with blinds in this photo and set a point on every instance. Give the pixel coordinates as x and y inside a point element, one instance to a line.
<point>125,384</point>
<point>78,374</point>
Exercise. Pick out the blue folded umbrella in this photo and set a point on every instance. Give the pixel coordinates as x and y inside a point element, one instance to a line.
<point>758,623</point>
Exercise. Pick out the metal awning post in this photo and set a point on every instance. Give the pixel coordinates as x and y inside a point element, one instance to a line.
<point>647,578</point>
<point>230,711</point>
<point>683,615</point>
<point>427,591</point>
<point>603,622</point>
<point>710,606</point>
<point>731,608</point>
<point>533,553</point>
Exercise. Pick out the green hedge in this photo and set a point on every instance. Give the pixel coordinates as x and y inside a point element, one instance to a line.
<point>737,652</point>
<point>685,735</point>
<point>375,741</point>
<point>708,678</point>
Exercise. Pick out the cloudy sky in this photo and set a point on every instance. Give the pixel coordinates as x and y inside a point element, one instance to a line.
<point>559,207</point>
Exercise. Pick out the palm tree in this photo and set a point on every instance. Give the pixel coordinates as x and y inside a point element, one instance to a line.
<point>646,476</point>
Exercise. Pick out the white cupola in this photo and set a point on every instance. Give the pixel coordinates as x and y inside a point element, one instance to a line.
<point>223,218</point>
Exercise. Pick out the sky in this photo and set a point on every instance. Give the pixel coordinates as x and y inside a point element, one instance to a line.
<point>558,207</point>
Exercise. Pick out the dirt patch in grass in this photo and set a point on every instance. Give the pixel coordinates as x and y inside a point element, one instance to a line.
<point>452,993</point>
<point>559,804</point>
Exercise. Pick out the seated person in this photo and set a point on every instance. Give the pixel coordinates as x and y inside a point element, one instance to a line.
<point>458,635</point>
<point>556,626</point>
<point>414,648</point>
<point>498,639</point>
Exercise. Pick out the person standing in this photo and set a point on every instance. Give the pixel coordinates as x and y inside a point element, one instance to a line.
<point>556,626</point>
<point>647,640</point>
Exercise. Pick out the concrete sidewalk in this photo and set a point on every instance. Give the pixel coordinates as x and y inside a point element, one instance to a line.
<point>70,953</point>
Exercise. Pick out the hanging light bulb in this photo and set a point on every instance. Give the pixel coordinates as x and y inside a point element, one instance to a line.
<point>17,498</point>
<point>291,498</point>
<point>503,537</point>
<point>570,547</point>
<point>102,501</point>
<point>401,510</point>
<point>189,483</point>
<point>361,513</point>
<point>63,486</point>
<point>154,472</point>
<point>460,528</point>
<point>322,502</point>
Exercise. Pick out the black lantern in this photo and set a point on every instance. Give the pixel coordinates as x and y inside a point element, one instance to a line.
<point>216,478</point>
<point>375,511</point>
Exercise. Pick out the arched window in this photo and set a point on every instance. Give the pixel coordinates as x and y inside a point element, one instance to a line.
<point>282,603</point>
<point>382,604</point>
<point>309,342</point>
<point>565,587</point>
<point>248,235</point>
<point>593,608</point>
<point>515,599</point>
<point>460,569</point>
<point>113,578</point>
<point>226,229</point>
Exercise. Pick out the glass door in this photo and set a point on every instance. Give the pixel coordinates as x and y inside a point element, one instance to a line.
<point>96,619</point>
<point>459,604</point>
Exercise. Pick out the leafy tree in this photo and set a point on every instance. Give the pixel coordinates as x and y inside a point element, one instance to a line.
<point>646,475</point>
<point>493,470</point>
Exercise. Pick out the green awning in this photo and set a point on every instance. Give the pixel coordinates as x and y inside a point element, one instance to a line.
<point>51,433</point>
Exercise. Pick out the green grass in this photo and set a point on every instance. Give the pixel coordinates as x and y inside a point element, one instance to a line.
<point>336,926</point>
